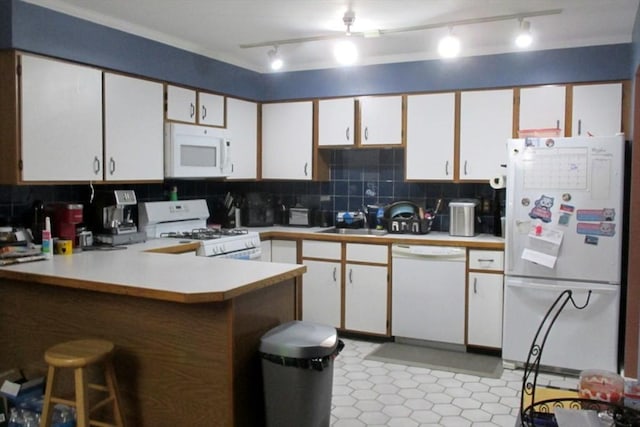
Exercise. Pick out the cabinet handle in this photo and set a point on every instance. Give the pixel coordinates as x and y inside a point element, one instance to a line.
<point>335,274</point>
<point>446,168</point>
<point>306,168</point>
<point>232,165</point>
<point>96,165</point>
<point>486,260</point>
<point>475,285</point>
<point>204,112</point>
<point>558,124</point>
<point>112,165</point>
<point>366,133</point>
<point>465,167</point>
<point>580,127</point>
<point>193,110</point>
<point>350,275</point>
<point>347,133</point>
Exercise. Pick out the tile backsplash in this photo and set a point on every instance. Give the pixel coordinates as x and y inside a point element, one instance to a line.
<point>357,178</point>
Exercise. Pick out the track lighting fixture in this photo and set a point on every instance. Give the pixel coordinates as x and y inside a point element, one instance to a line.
<point>524,39</point>
<point>449,45</point>
<point>275,61</point>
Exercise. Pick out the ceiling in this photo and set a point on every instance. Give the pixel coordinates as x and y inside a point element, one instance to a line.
<point>218,28</point>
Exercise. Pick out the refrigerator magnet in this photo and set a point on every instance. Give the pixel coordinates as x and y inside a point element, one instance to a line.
<point>591,240</point>
<point>542,209</point>
<point>607,229</point>
<point>605,214</point>
<point>564,219</point>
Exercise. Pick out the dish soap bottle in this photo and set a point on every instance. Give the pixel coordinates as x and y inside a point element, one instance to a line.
<point>47,240</point>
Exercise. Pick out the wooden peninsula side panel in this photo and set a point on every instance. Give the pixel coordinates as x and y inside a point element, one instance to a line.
<point>177,364</point>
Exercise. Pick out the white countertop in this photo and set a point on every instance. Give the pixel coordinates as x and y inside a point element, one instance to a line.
<point>133,271</point>
<point>434,237</point>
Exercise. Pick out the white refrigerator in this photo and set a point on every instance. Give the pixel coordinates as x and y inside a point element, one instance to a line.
<point>564,210</point>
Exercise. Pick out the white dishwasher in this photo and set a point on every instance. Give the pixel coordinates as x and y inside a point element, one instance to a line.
<point>428,298</point>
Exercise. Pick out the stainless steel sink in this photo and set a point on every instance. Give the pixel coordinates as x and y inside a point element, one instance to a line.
<point>354,231</point>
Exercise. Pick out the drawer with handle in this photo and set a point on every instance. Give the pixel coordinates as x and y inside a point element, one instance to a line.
<point>486,260</point>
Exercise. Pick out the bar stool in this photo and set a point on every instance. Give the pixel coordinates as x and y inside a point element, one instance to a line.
<point>79,355</point>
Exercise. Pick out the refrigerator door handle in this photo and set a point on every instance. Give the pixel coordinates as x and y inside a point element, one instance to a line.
<point>594,288</point>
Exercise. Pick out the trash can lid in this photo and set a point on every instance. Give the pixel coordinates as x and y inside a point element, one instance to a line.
<point>300,339</point>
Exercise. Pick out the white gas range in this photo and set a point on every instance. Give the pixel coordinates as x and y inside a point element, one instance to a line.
<point>187,220</point>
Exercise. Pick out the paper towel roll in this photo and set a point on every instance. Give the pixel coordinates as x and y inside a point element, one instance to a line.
<point>498,182</point>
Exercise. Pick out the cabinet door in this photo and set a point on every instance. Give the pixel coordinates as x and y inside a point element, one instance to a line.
<point>486,122</point>
<point>181,104</point>
<point>484,327</point>
<point>430,136</point>
<point>366,298</point>
<point>133,132</point>
<point>287,140</point>
<point>321,293</point>
<point>381,120</point>
<point>335,122</point>
<point>210,109</point>
<point>61,117</point>
<point>284,251</point>
<point>597,110</point>
<point>542,107</point>
<point>242,125</point>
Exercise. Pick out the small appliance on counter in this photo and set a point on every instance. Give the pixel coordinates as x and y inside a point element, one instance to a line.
<point>301,216</point>
<point>463,214</point>
<point>116,211</point>
<point>66,218</point>
<point>257,210</point>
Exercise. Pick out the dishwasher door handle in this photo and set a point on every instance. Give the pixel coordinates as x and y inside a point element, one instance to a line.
<point>431,252</point>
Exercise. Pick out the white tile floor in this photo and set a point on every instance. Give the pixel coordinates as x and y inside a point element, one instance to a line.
<point>369,393</point>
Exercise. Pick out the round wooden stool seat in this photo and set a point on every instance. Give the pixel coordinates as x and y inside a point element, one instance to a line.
<point>75,354</point>
<point>79,356</point>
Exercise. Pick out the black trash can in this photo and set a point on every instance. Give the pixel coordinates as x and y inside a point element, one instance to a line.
<point>297,369</point>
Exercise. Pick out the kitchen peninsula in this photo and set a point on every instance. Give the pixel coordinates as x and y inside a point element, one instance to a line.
<point>186,328</point>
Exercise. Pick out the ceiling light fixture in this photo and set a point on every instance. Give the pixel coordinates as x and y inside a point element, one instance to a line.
<point>524,38</point>
<point>449,45</point>
<point>275,61</point>
<point>345,51</point>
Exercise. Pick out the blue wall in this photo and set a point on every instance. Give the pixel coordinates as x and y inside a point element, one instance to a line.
<point>517,69</point>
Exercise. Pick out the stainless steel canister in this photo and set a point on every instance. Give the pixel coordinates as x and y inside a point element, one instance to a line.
<point>462,217</point>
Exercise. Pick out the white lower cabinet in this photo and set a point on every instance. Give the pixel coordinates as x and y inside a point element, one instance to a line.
<point>484,327</point>
<point>284,251</point>
<point>321,293</point>
<point>361,276</point>
<point>365,305</point>
<point>485,289</point>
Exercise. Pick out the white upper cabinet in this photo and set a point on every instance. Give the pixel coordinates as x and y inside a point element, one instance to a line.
<point>380,120</point>
<point>486,122</point>
<point>181,104</point>
<point>210,109</point>
<point>542,107</point>
<point>430,136</point>
<point>242,126</point>
<point>133,128</point>
<point>61,112</point>
<point>287,140</point>
<point>597,109</point>
<point>336,122</point>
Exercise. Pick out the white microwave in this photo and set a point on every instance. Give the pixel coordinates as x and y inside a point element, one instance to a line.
<point>192,151</point>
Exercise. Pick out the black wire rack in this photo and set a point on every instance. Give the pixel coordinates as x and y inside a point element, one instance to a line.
<point>541,413</point>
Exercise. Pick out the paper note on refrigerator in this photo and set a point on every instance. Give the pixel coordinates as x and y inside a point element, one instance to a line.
<point>543,245</point>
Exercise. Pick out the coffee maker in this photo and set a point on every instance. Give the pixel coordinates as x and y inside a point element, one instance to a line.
<point>116,211</point>
<point>66,217</point>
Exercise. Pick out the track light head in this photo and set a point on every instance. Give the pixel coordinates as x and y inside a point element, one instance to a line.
<point>348,19</point>
<point>524,38</point>
<point>275,61</point>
